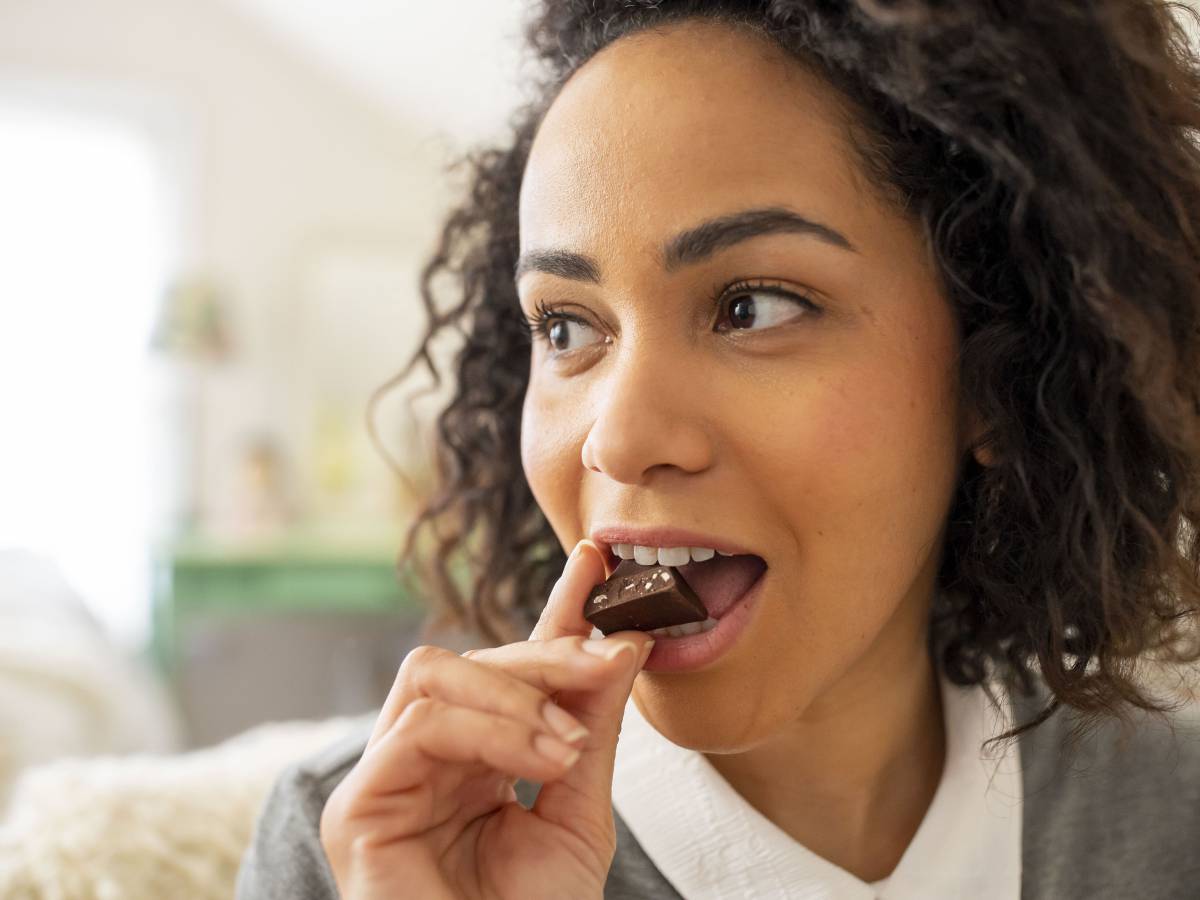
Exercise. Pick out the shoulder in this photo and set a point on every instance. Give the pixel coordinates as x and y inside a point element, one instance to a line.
<point>1119,809</point>
<point>312,779</point>
<point>1143,760</point>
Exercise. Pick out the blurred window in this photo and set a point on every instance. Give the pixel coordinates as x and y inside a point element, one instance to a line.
<point>82,262</point>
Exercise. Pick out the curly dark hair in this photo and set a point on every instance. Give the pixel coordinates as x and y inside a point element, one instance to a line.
<point>1048,152</point>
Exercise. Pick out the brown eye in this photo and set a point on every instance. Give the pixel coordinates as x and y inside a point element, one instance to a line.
<point>741,312</point>
<point>763,307</point>
<point>559,338</point>
<point>567,334</point>
<point>560,332</point>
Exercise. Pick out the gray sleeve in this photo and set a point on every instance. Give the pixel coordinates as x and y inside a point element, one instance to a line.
<point>1119,815</point>
<point>632,875</point>
<point>285,858</point>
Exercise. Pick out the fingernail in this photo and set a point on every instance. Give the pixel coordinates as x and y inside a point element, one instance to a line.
<point>554,749</point>
<point>646,653</point>
<point>562,722</point>
<point>609,650</point>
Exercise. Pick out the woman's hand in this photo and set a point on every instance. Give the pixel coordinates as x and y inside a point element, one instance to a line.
<point>429,811</point>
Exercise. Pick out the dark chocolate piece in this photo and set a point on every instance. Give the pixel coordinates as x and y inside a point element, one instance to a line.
<point>643,598</point>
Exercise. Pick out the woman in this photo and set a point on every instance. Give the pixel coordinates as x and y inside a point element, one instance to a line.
<point>894,307</point>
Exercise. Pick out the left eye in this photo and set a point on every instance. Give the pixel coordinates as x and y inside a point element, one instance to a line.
<point>749,308</point>
<point>563,334</point>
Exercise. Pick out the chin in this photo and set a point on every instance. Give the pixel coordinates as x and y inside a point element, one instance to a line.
<point>705,727</point>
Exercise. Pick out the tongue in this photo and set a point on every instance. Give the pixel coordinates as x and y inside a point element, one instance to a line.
<point>722,580</point>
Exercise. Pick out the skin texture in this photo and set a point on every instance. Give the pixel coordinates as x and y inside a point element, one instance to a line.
<point>829,442</point>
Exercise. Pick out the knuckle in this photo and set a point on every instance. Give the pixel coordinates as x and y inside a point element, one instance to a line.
<point>526,706</point>
<point>334,815</point>
<point>330,816</point>
<point>543,671</point>
<point>361,848</point>
<point>421,655</point>
<point>572,645</point>
<point>514,732</point>
<point>418,661</point>
<point>419,711</point>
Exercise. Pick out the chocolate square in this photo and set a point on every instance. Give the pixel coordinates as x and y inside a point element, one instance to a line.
<point>643,598</point>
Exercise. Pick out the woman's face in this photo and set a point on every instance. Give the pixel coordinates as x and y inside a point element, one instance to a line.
<point>826,440</point>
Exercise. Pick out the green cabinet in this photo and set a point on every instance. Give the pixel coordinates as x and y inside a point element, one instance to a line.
<point>292,628</point>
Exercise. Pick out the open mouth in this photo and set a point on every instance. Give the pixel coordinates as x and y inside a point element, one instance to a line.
<point>719,580</point>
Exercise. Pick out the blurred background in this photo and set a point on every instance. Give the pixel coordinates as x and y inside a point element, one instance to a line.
<point>212,216</point>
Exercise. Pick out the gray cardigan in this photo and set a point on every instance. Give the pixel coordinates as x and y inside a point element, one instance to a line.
<point>1120,819</point>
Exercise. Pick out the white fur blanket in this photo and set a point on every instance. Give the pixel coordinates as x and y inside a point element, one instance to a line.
<point>66,688</point>
<point>147,827</point>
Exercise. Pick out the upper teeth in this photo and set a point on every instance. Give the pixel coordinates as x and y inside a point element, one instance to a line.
<point>664,556</point>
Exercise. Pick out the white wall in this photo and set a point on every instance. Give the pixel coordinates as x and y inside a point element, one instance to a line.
<point>451,68</point>
<point>284,169</point>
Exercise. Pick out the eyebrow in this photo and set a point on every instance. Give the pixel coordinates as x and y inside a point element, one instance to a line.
<point>691,246</point>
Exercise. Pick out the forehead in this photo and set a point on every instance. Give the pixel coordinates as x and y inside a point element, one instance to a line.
<point>665,128</point>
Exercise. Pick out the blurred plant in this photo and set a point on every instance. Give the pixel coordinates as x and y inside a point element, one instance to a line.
<point>192,331</point>
<point>191,319</point>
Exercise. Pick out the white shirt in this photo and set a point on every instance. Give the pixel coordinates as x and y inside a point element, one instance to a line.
<point>709,842</point>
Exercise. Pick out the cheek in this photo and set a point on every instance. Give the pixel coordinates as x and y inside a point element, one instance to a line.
<point>863,487</point>
<point>876,437</point>
<point>897,430</point>
<point>550,456</point>
<point>878,428</point>
<point>533,446</point>
<point>856,438</point>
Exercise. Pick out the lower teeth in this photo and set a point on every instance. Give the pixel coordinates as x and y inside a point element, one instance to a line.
<point>684,630</point>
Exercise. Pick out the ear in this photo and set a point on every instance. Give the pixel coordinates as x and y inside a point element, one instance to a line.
<point>975,431</point>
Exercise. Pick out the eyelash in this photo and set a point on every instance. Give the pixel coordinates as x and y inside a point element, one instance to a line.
<point>537,326</point>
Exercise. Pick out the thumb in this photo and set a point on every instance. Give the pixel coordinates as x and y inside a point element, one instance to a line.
<point>563,613</point>
<point>581,800</point>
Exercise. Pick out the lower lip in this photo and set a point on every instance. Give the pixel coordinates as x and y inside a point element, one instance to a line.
<point>694,651</point>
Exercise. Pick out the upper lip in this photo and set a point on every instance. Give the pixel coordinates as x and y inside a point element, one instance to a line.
<point>651,536</point>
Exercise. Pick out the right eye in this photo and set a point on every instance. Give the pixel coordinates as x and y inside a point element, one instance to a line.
<point>561,332</point>
<point>565,334</point>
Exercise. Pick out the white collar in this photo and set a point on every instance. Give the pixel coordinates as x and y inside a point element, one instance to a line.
<point>968,844</point>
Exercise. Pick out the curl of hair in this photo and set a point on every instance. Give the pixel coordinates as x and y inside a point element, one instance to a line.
<point>1048,153</point>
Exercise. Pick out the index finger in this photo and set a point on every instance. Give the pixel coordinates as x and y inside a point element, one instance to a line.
<point>562,616</point>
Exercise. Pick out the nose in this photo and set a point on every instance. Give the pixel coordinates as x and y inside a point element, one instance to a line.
<point>650,417</point>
